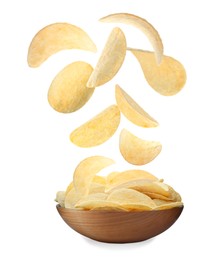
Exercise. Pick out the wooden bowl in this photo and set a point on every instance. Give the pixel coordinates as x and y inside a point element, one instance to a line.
<point>117,226</point>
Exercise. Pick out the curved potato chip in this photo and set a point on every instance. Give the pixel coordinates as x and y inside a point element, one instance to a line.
<point>69,188</point>
<point>54,38</point>
<point>117,178</point>
<point>110,61</point>
<point>132,111</point>
<point>126,196</point>
<point>71,199</point>
<point>137,151</point>
<point>136,207</point>
<point>96,188</point>
<point>97,130</point>
<point>86,170</point>
<point>169,205</point>
<point>60,198</point>
<point>96,180</point>
<point>94,196</point>
<point>159,202</point>
<point>142,25</point>
<point>158,196</point>
<point>146,187</point>
<point>99,179</point>
<point>174,195</point>
<point>99,205</point>
<point>68,91</point>
<point>168,78</point>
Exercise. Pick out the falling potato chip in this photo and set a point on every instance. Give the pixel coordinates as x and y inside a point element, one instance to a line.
<point>137,151</point>
<point>169,205</point>
<point>85,172</point>
<point>168,78</point>
<point>126,196</point>
<point>110,60</point>
<point>60,198</point>
<point>142,25</point>
<point>117,178</point>
<point>132,111</point>
<point>68,91</point>
<point>99,205</point>
<point>54,38</point>
<point>98,130</point>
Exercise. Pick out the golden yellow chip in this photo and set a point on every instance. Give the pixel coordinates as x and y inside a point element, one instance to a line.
<point>54,38</point>
<point>145,186</point>
<point>99,205</point>
<point>169,205</point>
<point>96,180</point>
<point>94,196</point>
<point>68,91</point>
<point>97,130</point>
<point>110,60</point>
<point>72,198</point>
<point>96,188</point>
<point>168,78</point>
<point>86,170</point>
<point>159,202</point>
<point>137,151</point>
<point>132,111</point>
<point>117,178</point>
<point>142,25</point>
<point>99,179</point>
<point>60,198</point>
<point>126,196</point>
<point>69,187</point>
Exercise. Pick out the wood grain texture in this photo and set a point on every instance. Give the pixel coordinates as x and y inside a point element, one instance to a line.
<point>120,227</point>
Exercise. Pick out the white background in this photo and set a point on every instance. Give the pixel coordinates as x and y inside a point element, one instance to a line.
<point>37,158</point>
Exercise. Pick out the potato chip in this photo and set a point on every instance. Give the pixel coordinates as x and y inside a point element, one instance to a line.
<point>142,25</point>
<point>99,179</point>
<point>154,195</point>
<point>168,78</point>
<point>137,151</point>
<point>72,198</point>
<point>94,196</point>
<point>126,196</point>
<point>99,205</point>
<point>97,130</point>
<point>159,202</point>
<point>145,186</point>
<point>118,178</point>
<point>96,188</point>
<point>169,205</point>
<point>110,60</point>
<point>68,91</point>
<point>69,187</point>
<point>174,195</point>
<point>54,38</point>
<point>132,111</point>
<point>86,170</point>
<point>60,198</point>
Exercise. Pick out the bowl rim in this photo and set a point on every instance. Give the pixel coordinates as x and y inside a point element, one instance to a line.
<point>58,206</point>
